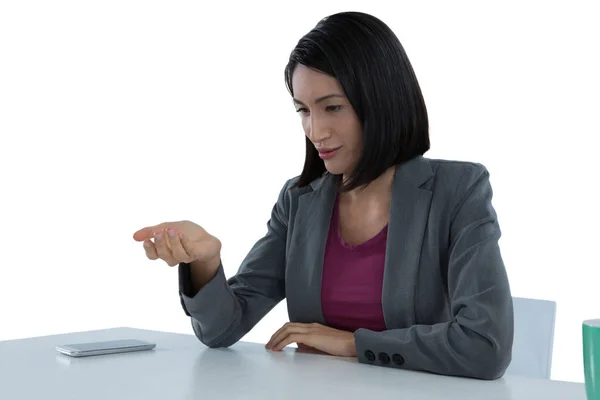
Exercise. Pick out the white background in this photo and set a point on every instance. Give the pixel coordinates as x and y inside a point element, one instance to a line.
<point>115,115</point>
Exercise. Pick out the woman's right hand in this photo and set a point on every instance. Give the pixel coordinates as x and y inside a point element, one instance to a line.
<point>181,241</point>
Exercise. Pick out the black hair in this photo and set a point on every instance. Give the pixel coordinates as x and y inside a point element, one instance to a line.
<point>368,60</point>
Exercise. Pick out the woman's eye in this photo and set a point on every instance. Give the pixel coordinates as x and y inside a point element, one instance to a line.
<point>304,110</point>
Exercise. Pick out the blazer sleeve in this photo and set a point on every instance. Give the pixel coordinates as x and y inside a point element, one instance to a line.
<point>223,311</point>
<point>477,341</point>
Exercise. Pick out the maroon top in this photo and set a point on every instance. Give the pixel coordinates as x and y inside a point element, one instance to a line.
<point>353,280</point>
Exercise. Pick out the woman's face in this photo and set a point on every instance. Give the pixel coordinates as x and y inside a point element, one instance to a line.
<point>328,119</point>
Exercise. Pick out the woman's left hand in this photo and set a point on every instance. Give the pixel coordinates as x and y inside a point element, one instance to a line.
<point>317,336</point>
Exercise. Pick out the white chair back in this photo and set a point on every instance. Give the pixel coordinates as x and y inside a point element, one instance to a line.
<point>533,338</point>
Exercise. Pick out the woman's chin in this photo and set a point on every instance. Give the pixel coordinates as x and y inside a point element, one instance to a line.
<point>334,168</point>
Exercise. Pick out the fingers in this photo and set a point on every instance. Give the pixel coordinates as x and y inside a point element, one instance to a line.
<point>167,246</point>
<point>150,250</point>
<point>176,242</point>
<point>276,337</point>
<point>147,232</point>
<point>177,248</point>
<point>285,331</point>
<point>292,338</point>
<point>162,249</point>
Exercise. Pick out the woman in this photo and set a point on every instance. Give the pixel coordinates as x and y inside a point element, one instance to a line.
<point>381,253</point>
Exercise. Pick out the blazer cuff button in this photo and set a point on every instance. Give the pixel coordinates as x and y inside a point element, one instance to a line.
<point>384,358</point>
<point>397,359</point>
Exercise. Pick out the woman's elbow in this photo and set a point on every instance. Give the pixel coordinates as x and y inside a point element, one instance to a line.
<point>495,367</point>
<point>483,354</point>
<point>491,362</point>
<point>212,342</point>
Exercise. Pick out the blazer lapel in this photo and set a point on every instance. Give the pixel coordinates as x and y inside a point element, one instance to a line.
<point>408,218</point>
<point>307,251</point>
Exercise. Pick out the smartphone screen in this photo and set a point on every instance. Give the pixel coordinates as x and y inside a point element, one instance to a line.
<point>105,347</point>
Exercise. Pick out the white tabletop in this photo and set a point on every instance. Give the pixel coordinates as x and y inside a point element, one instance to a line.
<point>180,367</point>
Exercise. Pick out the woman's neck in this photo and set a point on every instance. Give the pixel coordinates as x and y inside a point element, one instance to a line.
<point>377,189</point>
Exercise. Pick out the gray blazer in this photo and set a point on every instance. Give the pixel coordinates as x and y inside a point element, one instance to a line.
<point>446,297</point>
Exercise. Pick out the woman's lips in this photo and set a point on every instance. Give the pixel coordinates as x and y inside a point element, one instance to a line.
<point>326,154</point>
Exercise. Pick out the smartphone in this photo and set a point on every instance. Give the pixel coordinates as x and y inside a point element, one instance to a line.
<point>107,347</point>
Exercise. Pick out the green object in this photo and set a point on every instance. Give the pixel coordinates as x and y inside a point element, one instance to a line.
<point>591,358</point>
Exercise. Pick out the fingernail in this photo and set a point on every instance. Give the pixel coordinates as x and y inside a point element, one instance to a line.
<point>171,233</point>
<point>147,245</point>
<point>158,236</point>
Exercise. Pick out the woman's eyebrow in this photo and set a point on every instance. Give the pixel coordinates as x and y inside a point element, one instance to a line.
<point>320,99</point>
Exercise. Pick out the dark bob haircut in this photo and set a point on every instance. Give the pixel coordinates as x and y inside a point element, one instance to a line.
<point>369,62</point>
